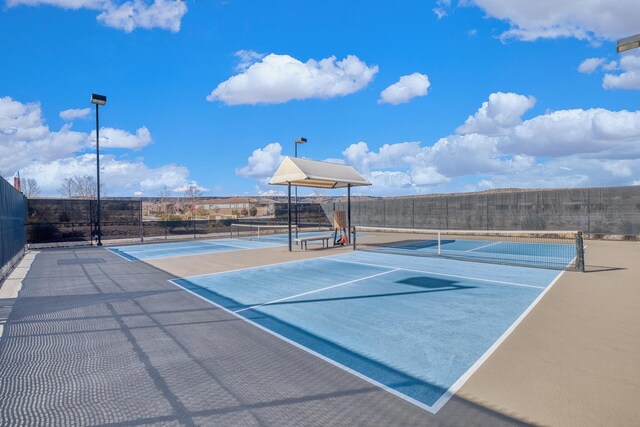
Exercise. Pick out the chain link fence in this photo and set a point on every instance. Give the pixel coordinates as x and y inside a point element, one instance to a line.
<point>596,211</point>
<point>64,222</point>
<point>13,217</point>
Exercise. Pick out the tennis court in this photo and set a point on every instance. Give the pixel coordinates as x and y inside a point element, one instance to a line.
<point>417,327</point>
<point>201,247</point>
<point>553,250</point>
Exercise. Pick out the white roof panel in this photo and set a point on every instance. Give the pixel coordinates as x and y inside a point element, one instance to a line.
<point>312,173</point>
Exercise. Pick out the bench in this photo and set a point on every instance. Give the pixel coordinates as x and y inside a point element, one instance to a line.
<point>304,240</point>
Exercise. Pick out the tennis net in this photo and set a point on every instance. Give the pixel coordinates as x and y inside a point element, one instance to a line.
<point>546,249</point>
<point>277,233</point>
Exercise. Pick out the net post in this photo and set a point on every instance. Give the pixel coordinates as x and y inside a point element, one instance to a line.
<point>439,243</point>
<point>579,252</point>
<point>354,238</point>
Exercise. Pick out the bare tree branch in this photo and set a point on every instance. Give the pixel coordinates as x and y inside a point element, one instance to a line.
<point>30,187</point>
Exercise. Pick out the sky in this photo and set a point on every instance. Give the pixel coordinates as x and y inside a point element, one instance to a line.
<point>419,96</point>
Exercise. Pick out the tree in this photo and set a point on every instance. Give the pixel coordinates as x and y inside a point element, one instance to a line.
<point>253,211</point>
<point>164,196</point>
<point>86,187</point>
<point>81,186</point>
<point>30,187</point>
<point>191,193</point>
<point>66,189</point>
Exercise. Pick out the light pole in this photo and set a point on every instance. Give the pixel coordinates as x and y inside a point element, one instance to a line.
<point>298,141</point>
<point>628,43</point>
<point>98,100</point>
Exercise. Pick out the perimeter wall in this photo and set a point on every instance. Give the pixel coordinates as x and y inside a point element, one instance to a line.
<point>606,211</point>
<point>13,231</point>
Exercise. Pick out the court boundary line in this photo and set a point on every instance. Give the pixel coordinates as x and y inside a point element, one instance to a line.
<point>238,248</point>
<point>211,242</point>
<point>317,290</point>
<point>483,246</point>
<point>188,245</point>
<point>524,285</point>
<point>205,243</point>
<point>457,385</point>
<point>332,258</point>
<point>338,365</point>
<point>257,266</point>
<point>122,256</point>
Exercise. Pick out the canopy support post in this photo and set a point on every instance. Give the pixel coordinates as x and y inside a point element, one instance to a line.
<point>349,213</point>
<point>289,209</point>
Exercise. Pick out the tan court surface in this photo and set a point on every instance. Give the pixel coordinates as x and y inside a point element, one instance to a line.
<point>574,360</point>
<point>93,339</point>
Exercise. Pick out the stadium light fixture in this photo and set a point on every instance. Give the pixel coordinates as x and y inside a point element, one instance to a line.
<point>98,100</point>
<point>628,43</point>
<point>299,141</point>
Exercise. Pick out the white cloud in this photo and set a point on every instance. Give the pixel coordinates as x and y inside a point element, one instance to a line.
<point>270,192</point>
<point>600,132</point>
<point>24,138</point>
<point>263,162</point>
<point>390,179</point>
<point>497,115</point>
<point>127,16</point>
<point>388,156</point>
<point>189,185</point>
<point>28,145</point>
<point>163,14</point>
<point>119,177</point>
<point>590,65</point>
<point>74,113</point>
<point>442,8</point>
<point>118,138</point>
<point>407,88</point>
<point>565,148</point>
<point>630,76</point>
<point>246,58</point>
<point>585,19</point>
<point>281,78</point>
<point>496,148</point>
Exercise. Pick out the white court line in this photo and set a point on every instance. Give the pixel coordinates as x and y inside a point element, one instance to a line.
<point>113,251</point>
<point>463,379</point>
<point>187,246</point>
<point>255,267</point>
<point>317,290</point>
<point>500,282</point>
<point>210,242</point>
<point>483,246</point>
<point>316,354</point>
<point>237,248</point>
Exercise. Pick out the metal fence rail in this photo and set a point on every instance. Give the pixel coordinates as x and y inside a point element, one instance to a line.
<point>13,217</point>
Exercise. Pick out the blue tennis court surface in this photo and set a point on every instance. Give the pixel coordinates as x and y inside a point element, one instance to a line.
<point>414,326</point>
<point>199,247</point>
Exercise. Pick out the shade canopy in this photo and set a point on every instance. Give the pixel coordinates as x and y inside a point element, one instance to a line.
<point>312,173</point>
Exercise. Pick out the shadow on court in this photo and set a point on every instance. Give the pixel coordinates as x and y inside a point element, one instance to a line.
<point>429,284</point>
